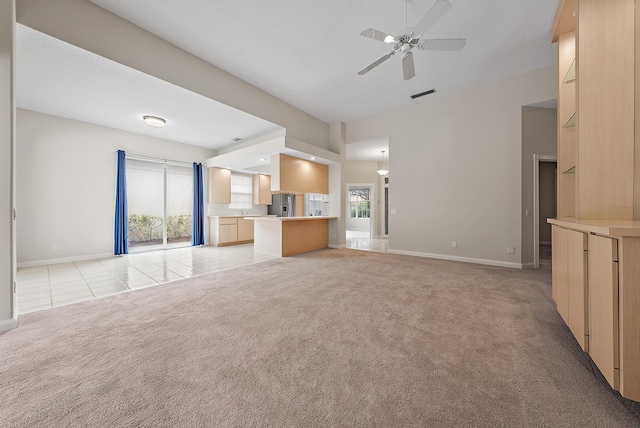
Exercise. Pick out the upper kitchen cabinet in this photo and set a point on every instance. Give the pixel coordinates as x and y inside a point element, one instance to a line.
<point>294,175</point>
<point>219,185</point>
<point>261,189</point>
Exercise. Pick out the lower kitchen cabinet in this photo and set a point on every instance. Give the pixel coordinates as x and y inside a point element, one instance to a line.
<point>245,230</point>
<point>596,287</point>
<point>603,306</point>
<point>559,287</point>
<point>230,231</point>
<point>569,283</point>
<point>577,287</point>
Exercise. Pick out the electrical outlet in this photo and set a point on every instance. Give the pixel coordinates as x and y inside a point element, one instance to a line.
<point>55,247</point>
<point>511,250</point>
<point>393,212</point>
<point>454,244</point>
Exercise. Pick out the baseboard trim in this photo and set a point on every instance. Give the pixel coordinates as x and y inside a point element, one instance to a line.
<point>64,260</point>
<point>458,259</point>
<point>7,325</point>
<point>528,265</point>
<point>337,246</point>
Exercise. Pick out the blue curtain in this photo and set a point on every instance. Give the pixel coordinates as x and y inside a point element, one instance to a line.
<point>121,229</point>
<point>197,232</point>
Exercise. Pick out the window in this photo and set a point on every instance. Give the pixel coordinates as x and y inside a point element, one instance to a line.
<point>314,204</point>
<point>360,203</point>
<point>241,191</point>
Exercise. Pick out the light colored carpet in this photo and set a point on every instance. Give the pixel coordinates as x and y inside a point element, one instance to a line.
<point>332,338</point>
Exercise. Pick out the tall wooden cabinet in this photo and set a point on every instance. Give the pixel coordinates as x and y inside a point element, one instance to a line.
<point>596,239</point>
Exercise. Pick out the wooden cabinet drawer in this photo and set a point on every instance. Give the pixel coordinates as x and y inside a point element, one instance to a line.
<point>228,220</point>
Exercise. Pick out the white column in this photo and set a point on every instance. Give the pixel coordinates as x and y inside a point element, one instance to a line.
<point>8,314</point>
<point>337,228</point>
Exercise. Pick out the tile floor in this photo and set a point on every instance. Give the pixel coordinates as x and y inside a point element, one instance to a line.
<point>360,240</point>
<point>44,287</point>
<point>366,244</point>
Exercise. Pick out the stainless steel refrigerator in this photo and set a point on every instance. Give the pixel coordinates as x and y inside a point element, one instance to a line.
<point>283,205</point>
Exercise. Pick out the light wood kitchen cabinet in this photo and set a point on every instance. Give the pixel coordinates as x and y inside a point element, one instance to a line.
<point>599,178</point>
<point>230,231</point>
<point>219,185</point>
<point>560,288</point>
<point>612,318</point>
<point>245,230</point>
<point>228,234</point>
<point>603,306</point>
<point>262,189</point>
<point>294,175</point>
<point>578,320</point>
<point>569,284</point>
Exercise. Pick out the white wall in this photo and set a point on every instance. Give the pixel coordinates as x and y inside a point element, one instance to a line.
<point>456,169</point>
<point>7,164</point>
<point>539,137</point>
<point>66,183</point>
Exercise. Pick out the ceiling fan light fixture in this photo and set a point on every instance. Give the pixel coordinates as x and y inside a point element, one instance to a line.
<point>155,121</point>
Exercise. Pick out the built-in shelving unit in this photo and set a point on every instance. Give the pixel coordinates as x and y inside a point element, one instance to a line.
<point>596,241</point>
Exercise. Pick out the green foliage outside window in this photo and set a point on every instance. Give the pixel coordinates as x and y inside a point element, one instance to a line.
<point>144,228</point>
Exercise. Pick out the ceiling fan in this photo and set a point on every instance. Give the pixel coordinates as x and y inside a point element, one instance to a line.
<point>410,38</point>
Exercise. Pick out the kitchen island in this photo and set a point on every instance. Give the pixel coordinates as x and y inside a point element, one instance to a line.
<point>286,236</point>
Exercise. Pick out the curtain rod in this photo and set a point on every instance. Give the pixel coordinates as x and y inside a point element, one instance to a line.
<point>156,160</point>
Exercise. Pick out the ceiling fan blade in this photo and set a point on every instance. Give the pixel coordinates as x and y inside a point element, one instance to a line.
<point>436,12</point>
<point>379,35</point>
<point>376,63</point>
<point>407,66</point>
<point>442,44</point>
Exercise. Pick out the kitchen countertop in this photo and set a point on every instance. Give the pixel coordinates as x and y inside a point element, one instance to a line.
<point>242,216</point>
<point>273,218</point>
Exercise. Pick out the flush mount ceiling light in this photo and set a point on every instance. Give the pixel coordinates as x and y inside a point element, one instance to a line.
<point>383,170</point>
<point>156,122</point>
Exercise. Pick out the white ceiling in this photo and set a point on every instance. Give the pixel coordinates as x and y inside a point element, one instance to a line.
<point>58,78</point>
<point>308,52</point>
<point>305,52</point>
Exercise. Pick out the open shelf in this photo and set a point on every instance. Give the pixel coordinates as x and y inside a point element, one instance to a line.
<point>571,170</point>
<point>571,73</point>
<point>571,123</point>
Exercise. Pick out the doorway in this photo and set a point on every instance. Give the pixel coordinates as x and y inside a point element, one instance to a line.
<point>545,206</point>
<point>359,211</point>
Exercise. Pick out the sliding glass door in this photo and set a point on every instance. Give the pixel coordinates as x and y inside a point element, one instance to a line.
<point>160,202</point>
